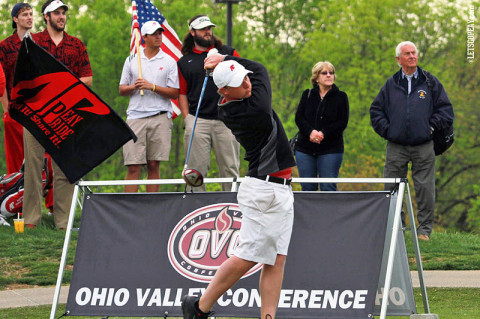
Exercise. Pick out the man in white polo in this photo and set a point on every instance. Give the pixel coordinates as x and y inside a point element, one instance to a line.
<point>149,112</point>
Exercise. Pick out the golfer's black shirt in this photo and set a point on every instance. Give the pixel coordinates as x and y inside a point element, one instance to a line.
<point>256,126</point>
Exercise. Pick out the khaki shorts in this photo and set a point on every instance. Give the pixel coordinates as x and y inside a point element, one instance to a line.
<point>267,210</point>
<point>154,140</point>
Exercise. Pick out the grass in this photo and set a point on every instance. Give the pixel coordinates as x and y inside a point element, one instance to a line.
<point>447,251</point>
<point>32,259</point>
<point>447,303</point>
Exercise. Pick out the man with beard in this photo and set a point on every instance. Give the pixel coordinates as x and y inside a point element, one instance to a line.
<point>22,22</point>
<point>73,54</point>
<point>210,131</point>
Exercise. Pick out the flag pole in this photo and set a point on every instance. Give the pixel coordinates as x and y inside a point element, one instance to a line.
<point>137,46</point>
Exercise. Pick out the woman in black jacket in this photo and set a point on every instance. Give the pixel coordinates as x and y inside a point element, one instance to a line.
<point>321,117</point>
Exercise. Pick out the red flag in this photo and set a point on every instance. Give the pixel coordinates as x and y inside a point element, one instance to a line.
<point>67,118</point>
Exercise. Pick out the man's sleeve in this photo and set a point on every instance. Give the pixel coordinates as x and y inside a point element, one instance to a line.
<point>85,69</point>
<point>172,80</point>
<point>378,117</point>
<point>442,116</point>
<point>126,77</point>
<point>182,82</point>
<point>3,82</point>
<point>2,55</point>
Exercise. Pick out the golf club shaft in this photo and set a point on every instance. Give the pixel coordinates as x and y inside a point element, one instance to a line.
<point>196,116</point>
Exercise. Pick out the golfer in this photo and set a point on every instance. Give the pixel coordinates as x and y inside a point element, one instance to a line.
<point>265,196</point>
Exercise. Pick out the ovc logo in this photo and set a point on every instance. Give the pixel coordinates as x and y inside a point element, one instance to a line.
<point>204,239</point>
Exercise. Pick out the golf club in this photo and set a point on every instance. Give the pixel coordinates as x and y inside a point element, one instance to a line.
<point>191,176</point>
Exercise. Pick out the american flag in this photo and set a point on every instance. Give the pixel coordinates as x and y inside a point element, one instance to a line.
<point>135,33</point>
<point>143,11</point>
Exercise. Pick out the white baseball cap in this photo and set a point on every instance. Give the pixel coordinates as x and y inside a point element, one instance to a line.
<point>200,23</point>
<point>54,5</point>
<point>229,73</point>
<point>150,27</point>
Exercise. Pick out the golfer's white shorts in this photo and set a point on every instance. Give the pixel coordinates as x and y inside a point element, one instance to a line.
<point>267,221</point>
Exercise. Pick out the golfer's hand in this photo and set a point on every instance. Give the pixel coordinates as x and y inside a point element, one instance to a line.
<point>212,61</point>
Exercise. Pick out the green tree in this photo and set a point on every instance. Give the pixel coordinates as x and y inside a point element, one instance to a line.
<point>289,37</point>
<point>359,38</point>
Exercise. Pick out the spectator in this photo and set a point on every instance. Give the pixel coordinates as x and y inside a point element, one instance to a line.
<point>73,54</point>
<point>22,16</point>
<point>321,117</point>
<point>405,112</point>
<point>210,132</point>
<point>149,115</point>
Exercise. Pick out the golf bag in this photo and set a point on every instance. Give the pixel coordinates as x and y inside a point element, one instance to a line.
<point>11,189</point>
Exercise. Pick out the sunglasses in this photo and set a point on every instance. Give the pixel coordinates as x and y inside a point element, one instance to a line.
<point>327,72</point>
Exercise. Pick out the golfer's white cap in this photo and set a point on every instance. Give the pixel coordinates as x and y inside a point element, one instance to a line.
<point>150,27</point>
<point>229,73</point>
<point>200,23</point>
<point>54,5</point>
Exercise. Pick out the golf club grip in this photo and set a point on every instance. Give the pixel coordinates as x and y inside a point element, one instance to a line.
<point>196,116</point>
<point>208,72</point>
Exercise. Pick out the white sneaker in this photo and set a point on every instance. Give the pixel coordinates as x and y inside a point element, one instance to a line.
<point>3,221</point>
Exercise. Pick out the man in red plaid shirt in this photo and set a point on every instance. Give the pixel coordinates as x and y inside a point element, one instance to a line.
<point>22,22</point>
<point>73,54</point>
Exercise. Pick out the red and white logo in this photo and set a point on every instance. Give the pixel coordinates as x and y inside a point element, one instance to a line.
<point>204,239</point>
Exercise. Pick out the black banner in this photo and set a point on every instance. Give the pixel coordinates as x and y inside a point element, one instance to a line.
<point>138,254</point>
<point>68,119</point>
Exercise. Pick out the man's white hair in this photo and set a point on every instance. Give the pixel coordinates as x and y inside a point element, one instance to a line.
<point>398,50</point>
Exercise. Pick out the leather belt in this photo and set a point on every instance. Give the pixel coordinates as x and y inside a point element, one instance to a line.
<point>159,113</point>
<point>274,179</point>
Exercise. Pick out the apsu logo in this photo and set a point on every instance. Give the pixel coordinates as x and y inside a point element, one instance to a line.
<point>204,239</point>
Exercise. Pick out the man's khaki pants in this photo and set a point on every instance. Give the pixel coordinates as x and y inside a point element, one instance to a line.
<point>208,135</point>
<point>33,192</point>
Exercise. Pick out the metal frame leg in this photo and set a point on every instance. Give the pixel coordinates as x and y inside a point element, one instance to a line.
<point>393,245</point>
<point>416,248</point>
<point>63,261</point>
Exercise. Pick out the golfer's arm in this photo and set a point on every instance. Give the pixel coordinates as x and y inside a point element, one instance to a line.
<point>183,104</point>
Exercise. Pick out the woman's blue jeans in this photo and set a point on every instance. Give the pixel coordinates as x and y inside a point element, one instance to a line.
<point>327,165</point>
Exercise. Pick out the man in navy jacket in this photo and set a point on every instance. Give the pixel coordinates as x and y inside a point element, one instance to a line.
<point>406,112</point>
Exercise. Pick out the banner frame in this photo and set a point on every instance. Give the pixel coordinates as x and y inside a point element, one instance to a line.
<point>416,248</point>
<point>401,187</point>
